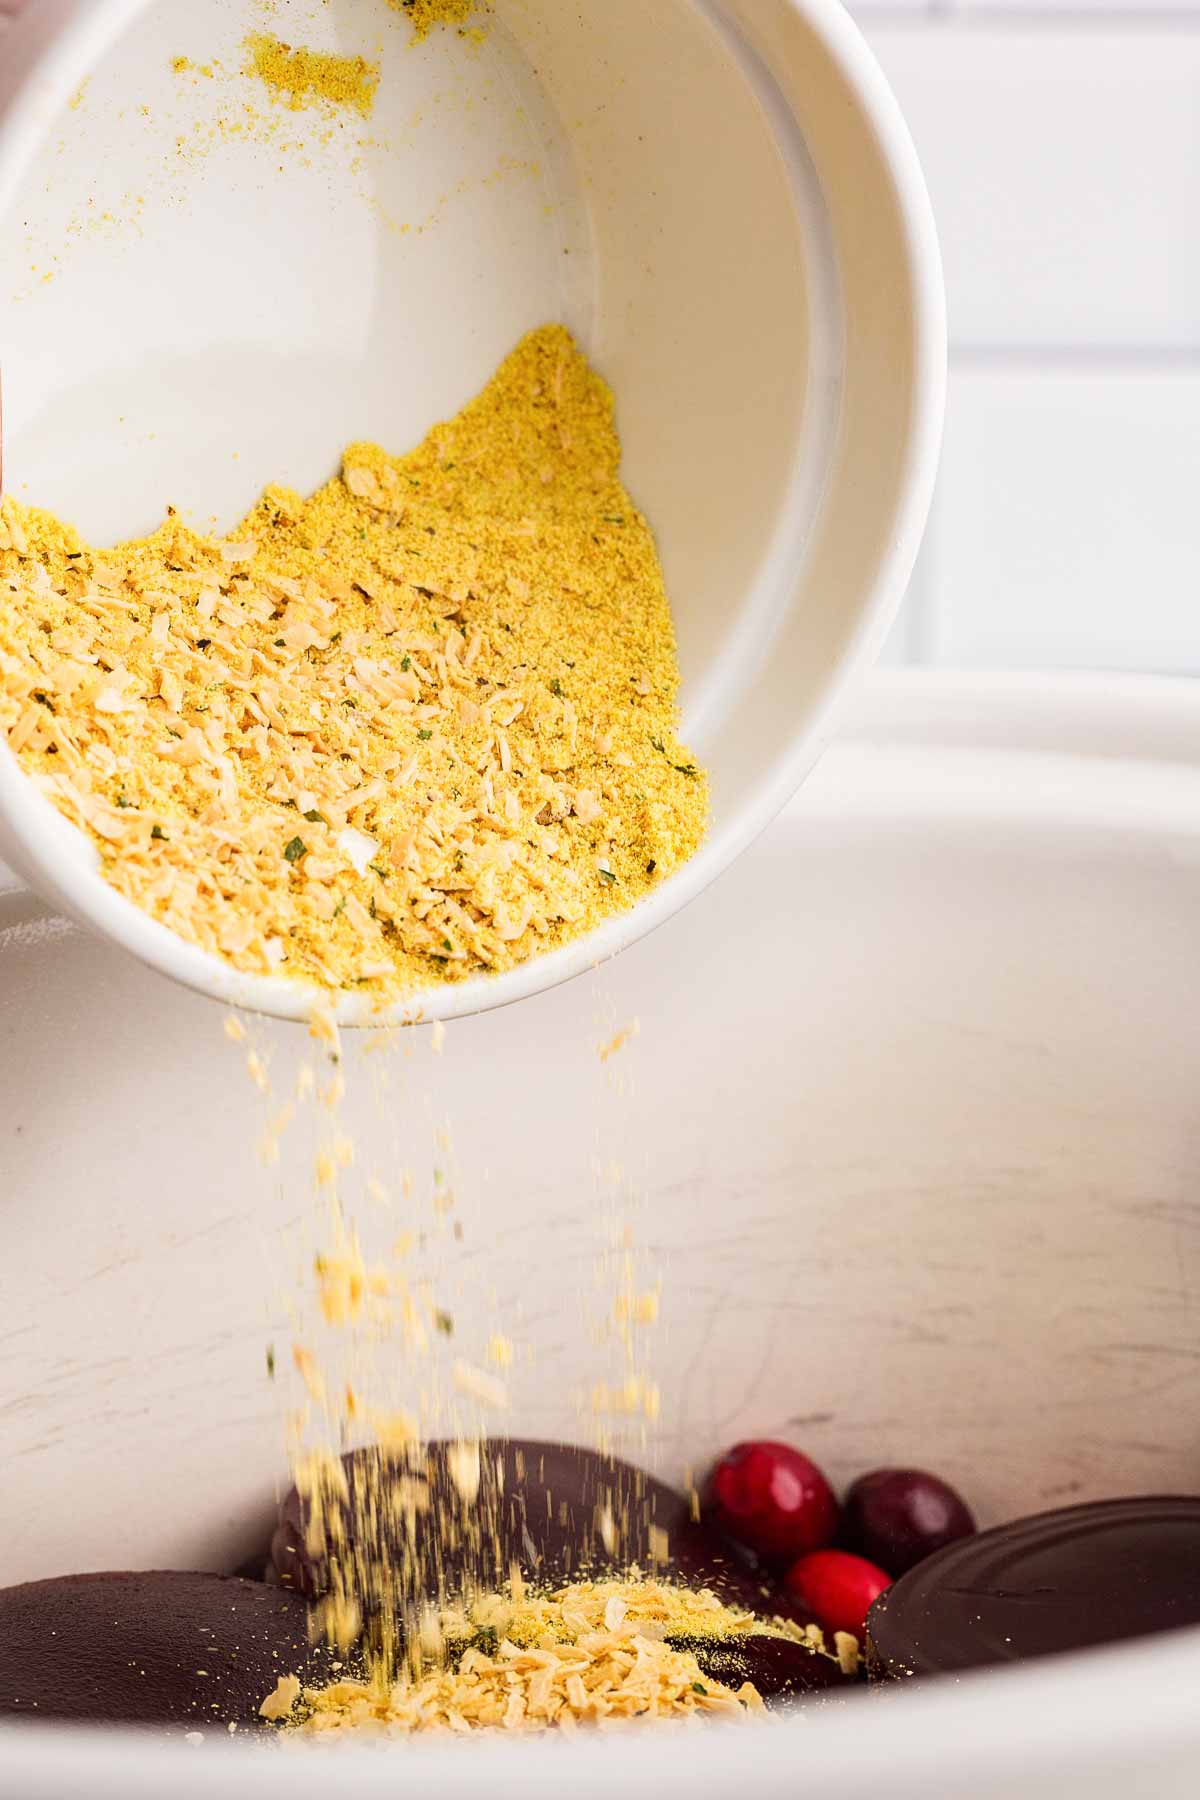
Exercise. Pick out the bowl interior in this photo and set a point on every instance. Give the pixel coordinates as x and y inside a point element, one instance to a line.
<point>208,290</point>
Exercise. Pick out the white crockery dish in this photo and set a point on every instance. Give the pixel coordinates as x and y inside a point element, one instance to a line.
<point>718,196</point>
<point>910,1131</point>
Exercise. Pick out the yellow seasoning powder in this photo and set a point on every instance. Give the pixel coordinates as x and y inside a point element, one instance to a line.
<point>416,727</point>
<point>591,1653</point>
<point>425,14</point>
<point>303,77</point>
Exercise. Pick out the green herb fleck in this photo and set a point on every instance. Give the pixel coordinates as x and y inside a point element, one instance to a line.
<point>340,908</point>
<point>159,834</point>
<point>123,801</point>
<point>556,688</point>
<point>444,1323</point>
<point>447,946</point>
<point>295,850</point>
<point>424,736</point>
<point>378,869</point>
<point>316,818</point>
<point>680,768</point>
<point>607,875</point>
<point>406,663</point>
<point>698,1687</point>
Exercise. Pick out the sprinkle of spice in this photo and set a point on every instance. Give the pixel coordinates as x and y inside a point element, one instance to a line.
<point>425,14</point>
<point>302,78</point>
<point>397,689</point>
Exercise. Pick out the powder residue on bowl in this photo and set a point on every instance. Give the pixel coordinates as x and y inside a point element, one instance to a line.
<point>302,78</point>
<point>425,14</point>
<point>419,726</point>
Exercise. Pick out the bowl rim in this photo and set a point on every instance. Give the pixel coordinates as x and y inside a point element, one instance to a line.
<point>31,832</point>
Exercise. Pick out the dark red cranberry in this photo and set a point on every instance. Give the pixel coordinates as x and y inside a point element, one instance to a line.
<point>833,1589</point>
<point>898,1517</point>
<point>774,1499</point>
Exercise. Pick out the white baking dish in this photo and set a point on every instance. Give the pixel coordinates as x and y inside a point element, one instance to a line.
<point>911,1131</point>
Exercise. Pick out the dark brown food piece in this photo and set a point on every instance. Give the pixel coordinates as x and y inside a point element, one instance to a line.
<point>546,1513</point>
<point>150,1649</point>
<point>1066,1580</point>
<point>780,1669</point>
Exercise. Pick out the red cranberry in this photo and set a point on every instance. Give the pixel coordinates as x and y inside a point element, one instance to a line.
<point>774,1499</point>
<point>833,1589</point>
<point>898,1517</point>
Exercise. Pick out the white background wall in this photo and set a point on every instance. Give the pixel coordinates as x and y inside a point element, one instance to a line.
<point>1061,141</point>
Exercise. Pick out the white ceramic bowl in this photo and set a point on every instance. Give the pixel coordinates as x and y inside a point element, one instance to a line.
<point>915,1154</point>
<point>719,196</point>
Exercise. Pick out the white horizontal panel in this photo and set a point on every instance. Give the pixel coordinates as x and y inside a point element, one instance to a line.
<point>1067,531</point>
<point>1064,175</point>
<point>1135,11</point>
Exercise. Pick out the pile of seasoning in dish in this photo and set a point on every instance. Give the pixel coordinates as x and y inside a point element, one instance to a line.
<point>591,1653</point>
<point>687,1633</point>
<point>419,726</point>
